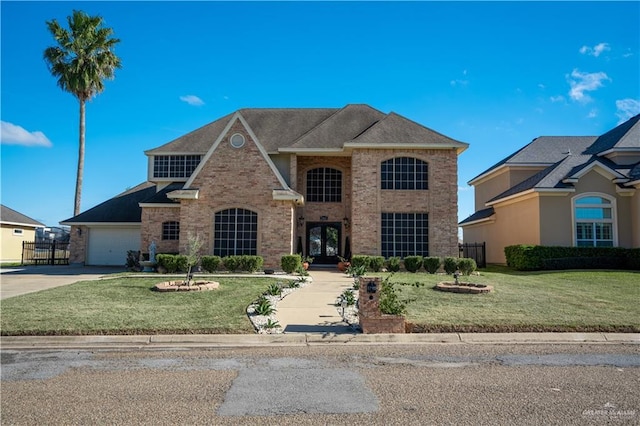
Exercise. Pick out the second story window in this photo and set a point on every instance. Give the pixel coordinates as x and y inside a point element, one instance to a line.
<point>324,185</point>
<point>404,173</point>
<point>175,166</point>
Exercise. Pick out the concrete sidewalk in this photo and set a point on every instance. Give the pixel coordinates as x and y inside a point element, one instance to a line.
<point>312,309</point>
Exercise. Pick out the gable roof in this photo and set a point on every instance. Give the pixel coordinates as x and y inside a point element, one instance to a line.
<point>566,158</point>
<point>11,217</point>
<point>123,208</point>
<point>294,129</point>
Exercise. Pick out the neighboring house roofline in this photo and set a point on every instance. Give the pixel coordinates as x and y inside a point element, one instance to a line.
<point>101,224</point>
<point>10,216</point>
<point>613,174</point>
<point>506,167</point>
<point>529,192</point>
<point>481,216</point>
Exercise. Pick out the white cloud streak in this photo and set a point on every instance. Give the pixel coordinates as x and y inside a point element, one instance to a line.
<point>627,108</point>
<point>192,100</point>
<point>581,82</point>
<point>595,50</point>
<point>12,134</point>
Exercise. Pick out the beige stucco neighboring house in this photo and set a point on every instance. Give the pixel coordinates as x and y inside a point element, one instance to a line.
<point>561,191</point>
<point>325,182</point>
<point>16,228</point>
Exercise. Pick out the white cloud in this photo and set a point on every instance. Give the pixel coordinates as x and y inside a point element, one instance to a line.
<point>582,82</point>
<point>192,100</point>
<point>12,134</point>
<point>595,50</point>
<point>558,98</point>
<point>593,113</point>
<point>627,108</point>
<point>542,86</point>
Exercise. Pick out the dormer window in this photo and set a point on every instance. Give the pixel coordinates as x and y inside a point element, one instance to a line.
<point>175,166</point>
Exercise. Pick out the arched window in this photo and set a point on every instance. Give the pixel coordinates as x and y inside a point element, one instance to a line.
<point>171,230</point>
<point>404,173</point>
<point>594,224</point>
<point>235,232</point>
<point>324,185</point>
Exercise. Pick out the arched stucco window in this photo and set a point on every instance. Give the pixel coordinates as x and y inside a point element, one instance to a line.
<point>235,232</point>
<point>404,173</point>
<point>324,185</point>
<point>594,220</point>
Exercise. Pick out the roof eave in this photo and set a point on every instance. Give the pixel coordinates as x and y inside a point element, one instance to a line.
<point>163,205</point>
<point>288,195</point>
<point>502,166</point>
<point>131,224</point>
<point>459,147</point>
<point>489,219</point>
<point>549,191</point>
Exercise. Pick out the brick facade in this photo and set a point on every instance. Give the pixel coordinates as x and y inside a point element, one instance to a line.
<point>151,228</point>
<point>440,201</point>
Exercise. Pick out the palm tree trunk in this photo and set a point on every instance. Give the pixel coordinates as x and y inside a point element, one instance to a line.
<point>76,205</point>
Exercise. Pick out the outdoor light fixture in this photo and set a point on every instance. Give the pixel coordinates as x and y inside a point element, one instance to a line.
<point>300,221</point>
<point>79,231</point>
<point>346,222</point>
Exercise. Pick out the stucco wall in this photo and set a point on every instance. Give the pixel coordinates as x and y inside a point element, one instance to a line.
<point>507,178</point>
<point>11,247</point>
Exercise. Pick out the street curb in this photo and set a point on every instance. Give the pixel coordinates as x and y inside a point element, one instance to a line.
<point>305,339</point>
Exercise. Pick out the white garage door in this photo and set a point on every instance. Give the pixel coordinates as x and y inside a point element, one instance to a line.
<point>109,246</point>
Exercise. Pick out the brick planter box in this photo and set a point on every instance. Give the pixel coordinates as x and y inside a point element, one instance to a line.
<point>382,324</point>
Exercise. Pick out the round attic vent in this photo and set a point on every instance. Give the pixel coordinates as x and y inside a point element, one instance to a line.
<point>237,140</point>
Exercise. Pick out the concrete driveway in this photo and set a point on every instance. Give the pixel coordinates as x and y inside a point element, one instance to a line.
<point>29,279</point>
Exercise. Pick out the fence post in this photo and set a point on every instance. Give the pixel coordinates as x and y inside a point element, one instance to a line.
<point>53,253</point>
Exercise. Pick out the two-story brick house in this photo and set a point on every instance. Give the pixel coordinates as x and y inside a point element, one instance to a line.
<point>270,182</point>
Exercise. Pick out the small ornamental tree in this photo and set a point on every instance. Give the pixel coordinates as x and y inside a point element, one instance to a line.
<point>194,244</point>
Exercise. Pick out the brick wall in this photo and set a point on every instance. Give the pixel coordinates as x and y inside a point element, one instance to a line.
<point>78,244</point>
<point>440,201</point>
<point>239,178</point>
<point>151,228</point>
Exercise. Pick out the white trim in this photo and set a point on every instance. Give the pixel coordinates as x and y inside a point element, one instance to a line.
<point>244,140</point>
<point>620,150</point>
<point>263,152</point>
<point>545,191</point>
<point>614,215</point>
<point>490,219</point>
<point>18,232</point>
<point>612,173</point>
<point>26,225</point>
<point>505,167</point>
<point>288,195</point>
<point>163,205</point>
<point>184,194</point>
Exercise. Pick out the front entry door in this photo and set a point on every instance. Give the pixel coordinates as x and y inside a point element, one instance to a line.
<point>323,242</point>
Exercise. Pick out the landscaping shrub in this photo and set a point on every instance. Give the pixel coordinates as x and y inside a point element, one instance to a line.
<point>413,263</point>
<point>431,264</point>
<point>532,258</point>
<point>172,263</point>
<point>376,263</point>
<point>393,264</point>
<point>291,263</point>
<point>231,263</point>
<point>210,263</point>
<point>450,265</point>
<point>250,263</point>
<point>467,265</point>
<point>359,260</point>
<point>133,260</point>
<point>390,303</point>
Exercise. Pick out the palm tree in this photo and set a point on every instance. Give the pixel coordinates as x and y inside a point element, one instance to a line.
<point>82,59</point>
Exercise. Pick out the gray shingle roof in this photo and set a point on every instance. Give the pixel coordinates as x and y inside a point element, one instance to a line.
<point>479,215</point>
<point>312,128</point>
<point>8,215</point>
<point>123,208</point>
<point>565,156</point>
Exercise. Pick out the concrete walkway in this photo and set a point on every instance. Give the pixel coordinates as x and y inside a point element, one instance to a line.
<point>311,309</point>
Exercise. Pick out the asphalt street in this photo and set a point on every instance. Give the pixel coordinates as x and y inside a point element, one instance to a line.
<point>461,384</point>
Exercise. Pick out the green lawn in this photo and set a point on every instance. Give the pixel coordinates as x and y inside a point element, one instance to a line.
<point>521,301</point>
<point>526,301</point>
<point>128,306</point>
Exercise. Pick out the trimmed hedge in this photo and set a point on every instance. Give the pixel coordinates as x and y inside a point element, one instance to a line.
<point>533,258</point>
<point>413,263</point>
<point>291,263</point>
<point>431,264</point>
<point>376,263</point>
<point>211,263</point>
<point>450,265</point>
<point>172,263</point>
<point>359,260</point>
<point>393,264</point>
<point>245,263</point>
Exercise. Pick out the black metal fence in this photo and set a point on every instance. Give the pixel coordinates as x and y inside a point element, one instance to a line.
<point>476,251</point>
<point>45,252</point>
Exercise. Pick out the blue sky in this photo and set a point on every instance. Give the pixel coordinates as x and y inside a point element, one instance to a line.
<point>494,75</point>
